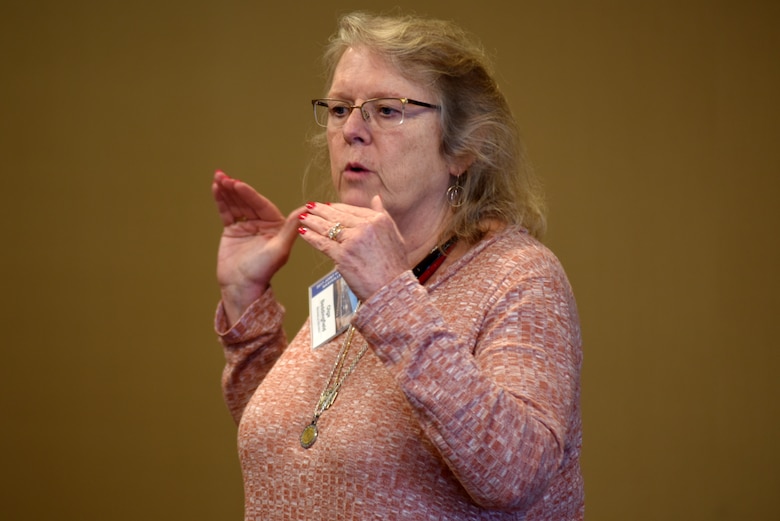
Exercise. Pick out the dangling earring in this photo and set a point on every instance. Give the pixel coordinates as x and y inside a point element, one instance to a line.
<point>455,194</point>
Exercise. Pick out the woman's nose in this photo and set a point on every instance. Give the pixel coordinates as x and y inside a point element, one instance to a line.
<point>356,128</point>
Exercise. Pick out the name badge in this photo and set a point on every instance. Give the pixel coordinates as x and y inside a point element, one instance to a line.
<point>331,307</point>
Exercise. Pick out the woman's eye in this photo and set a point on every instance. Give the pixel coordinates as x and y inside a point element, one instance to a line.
<point>339,111</point>
<point>387,111</point>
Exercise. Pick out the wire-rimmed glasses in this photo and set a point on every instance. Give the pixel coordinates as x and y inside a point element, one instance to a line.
<point>385,112</point>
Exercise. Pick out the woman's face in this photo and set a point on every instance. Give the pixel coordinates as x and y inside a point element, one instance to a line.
<point>404,164</point>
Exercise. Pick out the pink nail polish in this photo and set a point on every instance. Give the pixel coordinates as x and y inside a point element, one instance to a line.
<point>303,216</point>
<point>310,205</point>
<point>301,230</point>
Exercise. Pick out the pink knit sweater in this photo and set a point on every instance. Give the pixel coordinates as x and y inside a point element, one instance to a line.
<point>465,407</point>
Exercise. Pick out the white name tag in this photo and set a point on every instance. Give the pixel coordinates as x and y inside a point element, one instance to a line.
<point>331,307</point>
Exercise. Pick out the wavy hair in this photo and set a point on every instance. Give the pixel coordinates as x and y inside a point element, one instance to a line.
<point>478,127</point>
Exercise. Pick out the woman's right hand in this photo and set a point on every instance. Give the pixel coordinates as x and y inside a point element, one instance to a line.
<point>256,242</point>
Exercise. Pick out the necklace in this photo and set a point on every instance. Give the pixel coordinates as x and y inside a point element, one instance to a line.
<point>339,374</point>
<point>331,391</point>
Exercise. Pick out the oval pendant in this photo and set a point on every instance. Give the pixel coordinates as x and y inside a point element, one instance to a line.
<point>309,435</point>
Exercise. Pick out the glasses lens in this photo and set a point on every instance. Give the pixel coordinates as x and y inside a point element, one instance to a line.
<point>385,112</point>
<point>329,112</point>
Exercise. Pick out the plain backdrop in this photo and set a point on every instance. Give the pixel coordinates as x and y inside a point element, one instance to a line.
<point>653,125</point>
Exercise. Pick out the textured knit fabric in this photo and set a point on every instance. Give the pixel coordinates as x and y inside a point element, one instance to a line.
<point>465,407</point>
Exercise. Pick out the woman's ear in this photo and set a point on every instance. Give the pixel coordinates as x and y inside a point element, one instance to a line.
<point>459,165</point>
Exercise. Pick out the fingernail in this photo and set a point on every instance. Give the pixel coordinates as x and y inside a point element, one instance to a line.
<point>310,205</point>
<point>303,216</point>
<point>301,230</point>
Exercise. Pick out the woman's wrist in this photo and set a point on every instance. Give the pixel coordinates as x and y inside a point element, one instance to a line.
<point>237,298</point>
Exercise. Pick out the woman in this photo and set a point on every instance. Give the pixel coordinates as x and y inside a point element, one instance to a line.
<point>455,392</point>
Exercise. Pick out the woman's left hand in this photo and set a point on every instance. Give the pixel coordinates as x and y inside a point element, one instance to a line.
<point>368,249</point>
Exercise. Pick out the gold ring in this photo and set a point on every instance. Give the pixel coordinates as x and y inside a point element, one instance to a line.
<point>335,230</point>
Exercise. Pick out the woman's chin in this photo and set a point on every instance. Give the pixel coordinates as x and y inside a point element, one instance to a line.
<point>355,198</point>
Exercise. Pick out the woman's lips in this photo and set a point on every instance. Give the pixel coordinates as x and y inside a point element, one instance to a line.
<point>355,171</point>
<point>355,167</point>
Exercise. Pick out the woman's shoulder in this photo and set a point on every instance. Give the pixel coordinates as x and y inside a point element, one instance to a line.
<point>513,249</point>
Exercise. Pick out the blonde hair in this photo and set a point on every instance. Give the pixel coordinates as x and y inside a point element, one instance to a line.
<point>477,124</point>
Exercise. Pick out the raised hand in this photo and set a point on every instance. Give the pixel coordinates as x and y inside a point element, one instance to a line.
<point>256,242</point>
<point>367,248</point>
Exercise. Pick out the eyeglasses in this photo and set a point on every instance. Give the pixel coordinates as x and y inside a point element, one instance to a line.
<point>385,112</point>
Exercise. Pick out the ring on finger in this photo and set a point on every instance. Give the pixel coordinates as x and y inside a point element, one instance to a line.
<point>335,231</point>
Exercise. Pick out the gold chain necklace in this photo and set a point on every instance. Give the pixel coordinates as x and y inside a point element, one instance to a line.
<point>331,391</point>
<point>338,375</point>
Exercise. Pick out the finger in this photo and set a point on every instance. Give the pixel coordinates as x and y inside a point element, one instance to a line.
<point>241,202</point>
<point>320,242</point>
<point>229,204</point>
<point>289,231</point>
<point>344,213</point>
<point>317,224</point>
<point>221,192</point>
<point>255,204</point>
<point>241,198</point>
<point>376,204</point>
<point>319,217</point>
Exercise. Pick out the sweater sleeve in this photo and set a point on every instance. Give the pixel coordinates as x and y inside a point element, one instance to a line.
<point>251,346</point>
<point>497,404</point>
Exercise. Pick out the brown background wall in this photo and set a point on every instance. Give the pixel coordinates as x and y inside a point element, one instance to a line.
<point>653,124</point>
